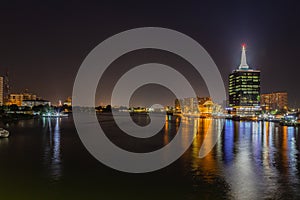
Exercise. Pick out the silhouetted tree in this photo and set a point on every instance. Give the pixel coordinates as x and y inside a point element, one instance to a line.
<point>107,108</point>
<point>13,107</point>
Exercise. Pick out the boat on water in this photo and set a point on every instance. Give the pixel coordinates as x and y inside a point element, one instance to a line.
<point>289,123</point>
<point>289,120</point>
<point>4,133</point>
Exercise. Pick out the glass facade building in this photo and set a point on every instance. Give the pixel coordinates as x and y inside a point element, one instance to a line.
<point>244,88</point>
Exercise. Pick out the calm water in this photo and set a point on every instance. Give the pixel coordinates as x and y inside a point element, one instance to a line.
<point>45,159</point>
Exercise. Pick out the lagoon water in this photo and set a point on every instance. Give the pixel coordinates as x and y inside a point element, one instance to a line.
<point>45,159</point>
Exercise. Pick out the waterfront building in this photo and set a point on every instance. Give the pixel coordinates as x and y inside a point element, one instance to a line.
<point>68,102</point>
<point>275,101</point>
<point>17,98</point>
<point>189,105</point>
<point>1,90</point>
<point>244,89</point>
<point>205,105</point>
<point>202,106</point>
<point>208,108</point>
<point>177,106</point>
<point>39,102</point>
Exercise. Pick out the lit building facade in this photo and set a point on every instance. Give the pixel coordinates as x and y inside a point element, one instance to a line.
<point>189,105</point>
<point>274,101</point>
<point>17,99</point>
<point>197,106</point>
<point>32,103</point>
<point>177,106</point>
<point>68,102</point>
<point>244,88</point>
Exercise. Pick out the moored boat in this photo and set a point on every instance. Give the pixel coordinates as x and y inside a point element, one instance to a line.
<point>4,133</point>
<point>289,123</point>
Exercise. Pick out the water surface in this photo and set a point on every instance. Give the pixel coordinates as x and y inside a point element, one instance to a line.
<point>45,159</point>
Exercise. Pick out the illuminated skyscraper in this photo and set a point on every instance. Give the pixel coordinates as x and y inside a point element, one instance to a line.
<point>1,90</point>
<point>244,88</point>
<point>6,88</point>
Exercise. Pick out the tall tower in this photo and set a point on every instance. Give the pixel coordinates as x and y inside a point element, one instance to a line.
<point>6,87</point>
<point>244,88</point>
<point>1,91</point>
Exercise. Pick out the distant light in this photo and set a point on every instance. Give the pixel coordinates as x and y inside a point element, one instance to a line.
<point>244,45</point>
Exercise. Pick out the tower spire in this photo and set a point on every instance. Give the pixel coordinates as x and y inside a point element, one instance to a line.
<point>243,64</point>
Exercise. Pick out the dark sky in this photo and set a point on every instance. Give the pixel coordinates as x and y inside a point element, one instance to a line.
<point>43,44</point>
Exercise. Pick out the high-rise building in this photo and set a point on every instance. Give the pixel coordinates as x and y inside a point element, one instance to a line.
<point>6,88</point>
<point>244,88</point>
<point>274,101</point>
<point>1,90</point>
<point>177,106</point>
<point>189,105</point>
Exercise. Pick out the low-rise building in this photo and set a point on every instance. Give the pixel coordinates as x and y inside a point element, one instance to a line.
<point>32,103</point>
<point>68,102</point>
<point>197,106</point>
<point>17,99</point>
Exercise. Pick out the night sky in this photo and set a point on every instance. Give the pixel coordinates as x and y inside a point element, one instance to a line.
<point>42,45</point>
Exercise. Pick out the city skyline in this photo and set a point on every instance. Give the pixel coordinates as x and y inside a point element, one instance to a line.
<point>50,48</point>
<point>243,67</point>
<point>149,100</point>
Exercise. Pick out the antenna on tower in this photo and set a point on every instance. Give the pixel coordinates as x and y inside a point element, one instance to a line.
<point>243,64</point>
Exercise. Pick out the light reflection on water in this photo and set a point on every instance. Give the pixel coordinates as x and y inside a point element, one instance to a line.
<point>251,160</point>
<point>52,153</point>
